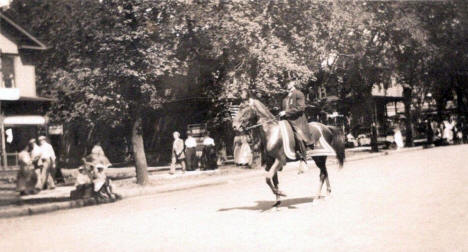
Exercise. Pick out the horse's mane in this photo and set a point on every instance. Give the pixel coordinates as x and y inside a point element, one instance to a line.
<point>262,110</point>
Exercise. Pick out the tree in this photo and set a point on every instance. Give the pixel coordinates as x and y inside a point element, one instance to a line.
<point>112,62</point>
<point>119,51</point>
<point>445,23</point>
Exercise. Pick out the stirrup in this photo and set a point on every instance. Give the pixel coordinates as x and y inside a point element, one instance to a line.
<point>301,156</point>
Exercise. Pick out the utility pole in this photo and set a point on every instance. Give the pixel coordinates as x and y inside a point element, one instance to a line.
<point>2,128</point>
<point>3,6</point>
<point>2,132</point>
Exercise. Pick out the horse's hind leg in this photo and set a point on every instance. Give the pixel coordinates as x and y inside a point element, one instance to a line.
<point>327,181</point>
<point>321,163</point>
<point>275,180</point>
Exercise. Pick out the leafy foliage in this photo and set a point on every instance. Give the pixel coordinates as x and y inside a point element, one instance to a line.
<point>112,61</point>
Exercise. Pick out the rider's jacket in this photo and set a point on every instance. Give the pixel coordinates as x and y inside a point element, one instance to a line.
<point>294,106</point>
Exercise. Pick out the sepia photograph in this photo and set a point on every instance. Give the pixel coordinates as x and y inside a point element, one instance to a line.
<point>233,125</point>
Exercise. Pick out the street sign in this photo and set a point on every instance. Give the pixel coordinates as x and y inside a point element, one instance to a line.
<point>56,130</point>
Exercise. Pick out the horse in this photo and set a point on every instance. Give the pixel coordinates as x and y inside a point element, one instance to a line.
<point>261,124</point>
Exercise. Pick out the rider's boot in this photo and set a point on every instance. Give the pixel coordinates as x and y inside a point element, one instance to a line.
<point>301,150</point>
<point>302,156</point>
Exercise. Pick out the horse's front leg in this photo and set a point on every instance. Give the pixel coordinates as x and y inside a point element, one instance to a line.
<point>328,184</point>
<point>270,179</point>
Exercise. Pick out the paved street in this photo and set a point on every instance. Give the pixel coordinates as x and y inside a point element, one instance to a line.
<point>413,201</point>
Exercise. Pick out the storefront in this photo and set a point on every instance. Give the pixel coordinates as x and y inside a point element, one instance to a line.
<point>20,121</point>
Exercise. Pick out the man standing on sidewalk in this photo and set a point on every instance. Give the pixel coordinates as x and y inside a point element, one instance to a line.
<point>48,163</point>
<point>36,157</point>
<point>191,152</point>
<point>209,153</point>
<point>178,155</point>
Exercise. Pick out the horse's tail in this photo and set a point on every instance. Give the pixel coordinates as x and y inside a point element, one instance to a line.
<point>338,144</point>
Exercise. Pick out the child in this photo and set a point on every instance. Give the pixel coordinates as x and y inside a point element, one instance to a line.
<point>84,185</point>
<point>83,177</point>
<point>102,184</point>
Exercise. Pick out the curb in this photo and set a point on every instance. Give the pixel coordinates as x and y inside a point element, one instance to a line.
<point>18,212</point>
<point>130,193</point>
<point>150,190</point>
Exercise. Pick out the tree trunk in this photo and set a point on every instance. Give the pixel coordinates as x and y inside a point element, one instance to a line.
<point>139,156</point>
<point>373,126</point>
<point>374,139</point>
<point>409,120</point>
<point>461,106</point>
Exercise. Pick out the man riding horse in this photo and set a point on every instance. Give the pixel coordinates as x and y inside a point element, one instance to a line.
<point>264,128</point>
<point>294,111</point>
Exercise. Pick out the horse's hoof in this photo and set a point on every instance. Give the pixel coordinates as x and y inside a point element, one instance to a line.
<point>277,203</point>
<point>319,196</point>
<point>280,194</point>
<point>315,202</point>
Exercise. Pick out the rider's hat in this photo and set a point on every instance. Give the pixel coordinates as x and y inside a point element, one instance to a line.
<point>100,166</point>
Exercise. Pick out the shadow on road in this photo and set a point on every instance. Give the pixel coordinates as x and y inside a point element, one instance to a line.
<point>265,205</point>
<point>9,197</point>
<point>18,201</point>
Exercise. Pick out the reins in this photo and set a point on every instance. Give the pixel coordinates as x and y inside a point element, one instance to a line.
<point>260,124</point>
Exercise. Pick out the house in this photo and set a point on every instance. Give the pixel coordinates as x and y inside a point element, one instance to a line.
<point>21,109</point>
<point>352,113</point>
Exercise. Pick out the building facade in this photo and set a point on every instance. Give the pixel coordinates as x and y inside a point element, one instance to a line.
<point>21,109</point>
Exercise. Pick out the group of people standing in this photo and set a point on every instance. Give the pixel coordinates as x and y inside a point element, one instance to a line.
<point>449,131</point>
<point>37,167</point>
<point>185,153</point>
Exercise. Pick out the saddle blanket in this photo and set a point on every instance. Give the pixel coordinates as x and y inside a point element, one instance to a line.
<point>321,146</point>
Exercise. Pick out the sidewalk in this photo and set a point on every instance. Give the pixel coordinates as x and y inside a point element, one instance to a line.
<point>12,205</point>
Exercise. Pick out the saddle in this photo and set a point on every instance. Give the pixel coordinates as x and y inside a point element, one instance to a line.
<point>321,146</point>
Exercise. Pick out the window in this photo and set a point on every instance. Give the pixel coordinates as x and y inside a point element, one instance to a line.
<point>8,72</point>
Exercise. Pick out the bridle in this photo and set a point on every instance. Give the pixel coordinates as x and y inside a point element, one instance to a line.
<point>258,124</point>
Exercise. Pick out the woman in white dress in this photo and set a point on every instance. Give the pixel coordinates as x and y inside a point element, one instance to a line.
<point>398,137</point>
<point>245,154</point>
<point>237,149</point>
<point>448,131</point>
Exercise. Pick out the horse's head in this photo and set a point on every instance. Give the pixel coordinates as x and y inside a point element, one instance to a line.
<point>246,117</point>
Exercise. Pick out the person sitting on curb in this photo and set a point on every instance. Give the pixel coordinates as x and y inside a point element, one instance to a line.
<point>103,185</point>
<point>83,177</point>
<point>84,185</point>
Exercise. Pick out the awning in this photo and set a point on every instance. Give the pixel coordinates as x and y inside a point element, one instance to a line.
<point>36,98</point>
<point>24,120</point>
<point>13,94</point>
